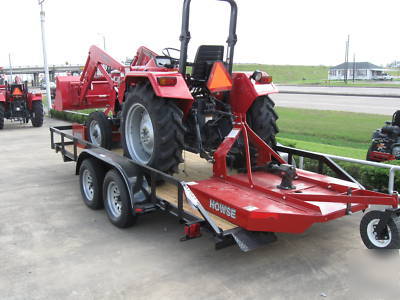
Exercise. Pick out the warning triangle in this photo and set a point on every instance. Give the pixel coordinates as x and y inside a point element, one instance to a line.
<point>17,92</point>
<point>219,80</point>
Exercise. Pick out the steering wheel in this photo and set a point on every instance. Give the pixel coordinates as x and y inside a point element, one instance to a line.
<point>166,52</point>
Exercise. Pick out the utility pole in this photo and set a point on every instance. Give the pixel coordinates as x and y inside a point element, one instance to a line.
<point>46,67</point>
<point>354,67</point>
<point>346,58</point>
<point>9,62</point>
<point>104,40</point>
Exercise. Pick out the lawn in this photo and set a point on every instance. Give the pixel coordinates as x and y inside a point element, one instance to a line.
<point>307,75</point>
<point>339,133</point>
<point>289,73</point>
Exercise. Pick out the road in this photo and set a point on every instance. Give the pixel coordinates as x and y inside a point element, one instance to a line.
<point>382,106</point>
<point>371,91</point>
<point>53,247</point>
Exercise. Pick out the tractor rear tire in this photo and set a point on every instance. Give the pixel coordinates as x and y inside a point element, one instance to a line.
<point>2,112</point>
<point>98,130</point>
<point>261,118</point>
<point>37,114</point>
<point>152,130</point>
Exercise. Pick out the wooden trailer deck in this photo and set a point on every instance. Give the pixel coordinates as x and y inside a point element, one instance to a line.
<point>194,168</point>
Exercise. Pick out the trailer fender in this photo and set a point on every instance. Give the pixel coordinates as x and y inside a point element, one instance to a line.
<point>245,91</point>
<point>109,160</point>
<point>179,92</point>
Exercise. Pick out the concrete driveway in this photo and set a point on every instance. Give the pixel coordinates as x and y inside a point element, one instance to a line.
<point>53,247</point>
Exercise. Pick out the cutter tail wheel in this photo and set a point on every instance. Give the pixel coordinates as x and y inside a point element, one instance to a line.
<point>152,129</point>
<point>91,176</point>
<point>387,238</point>
<point>117,201</point>
<point>37,114</point>
<point>98,130</point>
<point>1,115</point>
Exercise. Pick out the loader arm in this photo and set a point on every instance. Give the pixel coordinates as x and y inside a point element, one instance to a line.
<point>95,61</point>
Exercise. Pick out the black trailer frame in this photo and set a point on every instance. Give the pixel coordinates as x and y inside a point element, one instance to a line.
<point>134,175</point>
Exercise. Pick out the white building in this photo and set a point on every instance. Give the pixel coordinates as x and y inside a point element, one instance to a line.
<point>362,71</point>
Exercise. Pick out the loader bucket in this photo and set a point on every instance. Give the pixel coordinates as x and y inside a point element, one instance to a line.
<point>67,93</point>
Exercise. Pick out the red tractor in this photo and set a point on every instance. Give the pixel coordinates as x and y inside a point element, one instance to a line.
<point>17,104</point>
<point>161,109</point>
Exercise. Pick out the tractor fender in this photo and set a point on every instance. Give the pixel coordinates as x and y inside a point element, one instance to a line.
<point>245,91</point>
<point>33,97</point>
<point>179,92</point>
<point>109,160</point>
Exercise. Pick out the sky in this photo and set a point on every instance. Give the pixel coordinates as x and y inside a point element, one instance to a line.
<point>308,32</point>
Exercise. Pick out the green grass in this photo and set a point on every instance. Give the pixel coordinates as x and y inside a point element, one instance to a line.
<point>308,75</point>
<point>333,132</point>
<point>289,73</point>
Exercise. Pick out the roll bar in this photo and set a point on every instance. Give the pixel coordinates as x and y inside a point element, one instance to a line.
<point>185,35</point>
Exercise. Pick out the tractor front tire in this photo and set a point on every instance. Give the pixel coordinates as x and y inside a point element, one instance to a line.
<point>2,112</point>
<point>98,130</point>
<point>152,130</point>
<point>37,114</point>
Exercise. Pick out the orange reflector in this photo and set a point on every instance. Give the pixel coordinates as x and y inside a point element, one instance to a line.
<point>267,79</point>
<point>167,81</point>
<point>17,92</point>
<point>219,80</point>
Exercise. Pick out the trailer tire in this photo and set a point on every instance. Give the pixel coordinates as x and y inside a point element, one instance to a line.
<point>152,130</point>
<point>368,236</point>
<point>2,112</point>
<point>261,118</point>
<point>117,201</point>
<point>98,130</point>
<point>91,176</point>
<point>37,114</point>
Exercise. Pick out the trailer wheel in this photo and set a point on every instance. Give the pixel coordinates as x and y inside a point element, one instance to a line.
<point>98,130</point>
<point>1,115</point>
<point>261,118</point>
<point>116,200</point>
<point>152,129</point>
<point>91,176</point>
<point>368,235</point>
<point>37,114</point>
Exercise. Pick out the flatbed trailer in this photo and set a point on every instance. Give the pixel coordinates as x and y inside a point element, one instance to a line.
<point>170,196</point>
<point>179,195</point>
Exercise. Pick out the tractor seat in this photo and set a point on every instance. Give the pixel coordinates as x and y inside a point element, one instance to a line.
<point>206,56</point>
<point>391,130</point>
